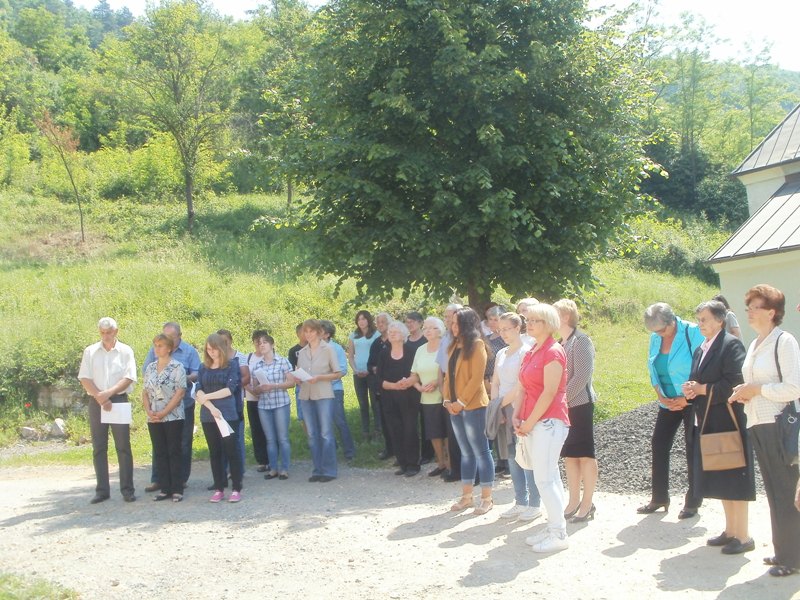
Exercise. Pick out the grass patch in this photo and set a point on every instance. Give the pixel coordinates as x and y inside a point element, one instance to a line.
<point>13,587</point>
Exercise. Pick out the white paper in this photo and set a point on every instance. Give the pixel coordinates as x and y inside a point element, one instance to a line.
<point>120,414</point>
<point>261,377</point>
<point>301,374</point>
<point>224,429</point>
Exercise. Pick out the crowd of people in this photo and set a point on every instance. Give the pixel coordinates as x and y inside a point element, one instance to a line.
<point>473,394</point>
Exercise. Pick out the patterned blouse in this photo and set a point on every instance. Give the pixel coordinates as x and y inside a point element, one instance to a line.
<point>580,368</point>
<point>161,387</point>
<point>273,372</point>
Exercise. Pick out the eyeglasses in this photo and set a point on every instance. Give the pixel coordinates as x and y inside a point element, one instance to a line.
<point>506,329</point>
<point>536,321</point>
<point>748,308</point>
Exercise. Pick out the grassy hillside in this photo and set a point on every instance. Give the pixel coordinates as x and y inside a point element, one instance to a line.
<point>139,266</point>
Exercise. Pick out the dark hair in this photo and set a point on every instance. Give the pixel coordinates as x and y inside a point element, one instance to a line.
<point>371,329</point>
<point>772,298</point>
<point>258,334</point>
<point>328,327</point>
<point>314,325</point>
<point>415,316</point>
<point>469,332</point>
<point>721,298</point>
<point>299,328</point>
<point>226,333</point>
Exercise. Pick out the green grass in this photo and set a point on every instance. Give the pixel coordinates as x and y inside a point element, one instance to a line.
<point>139,266</point>
<point>13,587</point>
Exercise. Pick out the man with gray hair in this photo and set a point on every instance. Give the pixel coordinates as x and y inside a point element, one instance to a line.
<point>107,373</point>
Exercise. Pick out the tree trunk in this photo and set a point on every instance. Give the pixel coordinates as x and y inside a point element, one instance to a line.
<point>478,299</point>
<point>188,181</point>
<point>289,194</point>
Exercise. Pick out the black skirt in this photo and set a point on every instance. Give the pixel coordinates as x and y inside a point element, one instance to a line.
<point>580,439</point>
<point>733,484</point>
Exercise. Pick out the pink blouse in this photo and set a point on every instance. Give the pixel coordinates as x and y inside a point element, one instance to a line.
<point>531,376</point>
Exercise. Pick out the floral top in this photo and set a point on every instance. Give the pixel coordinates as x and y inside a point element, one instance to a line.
<point>161,387</point>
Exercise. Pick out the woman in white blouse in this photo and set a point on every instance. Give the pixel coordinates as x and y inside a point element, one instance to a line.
<point>771,373</point>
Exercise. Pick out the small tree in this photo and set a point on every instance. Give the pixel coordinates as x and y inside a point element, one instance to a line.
<point>65,143</point>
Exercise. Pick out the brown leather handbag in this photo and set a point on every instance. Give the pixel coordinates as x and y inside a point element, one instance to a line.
<point>721,451</point>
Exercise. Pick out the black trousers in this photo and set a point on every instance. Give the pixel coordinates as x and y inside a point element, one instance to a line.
<point>780,483</point>
<point>166,440</point>
<point>667,424</point>
<point>401,411</point>
<point>122,443</point>
<point>257,435</point>
<point>229,447</point>
<point>366,394</point>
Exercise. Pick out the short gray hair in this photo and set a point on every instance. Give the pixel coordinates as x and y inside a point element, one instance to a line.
<point>453,307</point>
<point>384,315</point>
<point>173,325</point>
<point>715,307</point>
<point>495,311</point>
<point>438,324</point>
<point>107,323</point>
<point>659,314</point>
<point>527,303</point>
<point>400,326</point>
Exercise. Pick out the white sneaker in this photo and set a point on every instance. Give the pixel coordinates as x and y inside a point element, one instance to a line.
<point>551,543</point>
<point>531,513</point>
<point>514,512</point>
<point>534,539</point>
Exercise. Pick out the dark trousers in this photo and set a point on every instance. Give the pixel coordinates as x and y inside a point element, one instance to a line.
<point>402,417</point>
<point>365,392</point>
<point>426,447</point>
<point>257,435</point>
<point>667,424</point>
<point>780,483</point>
<point>122,444</point>
<point>227,447</point>
<point>187,437</point>
<point>166,440</point>
<point>452,448</point>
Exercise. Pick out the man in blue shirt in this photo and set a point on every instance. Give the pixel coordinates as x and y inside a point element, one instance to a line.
<point>339,417</point>
<point>185,354</point>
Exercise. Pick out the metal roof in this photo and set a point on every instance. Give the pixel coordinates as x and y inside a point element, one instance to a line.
<point>781,146</point>
<point>775,227</point>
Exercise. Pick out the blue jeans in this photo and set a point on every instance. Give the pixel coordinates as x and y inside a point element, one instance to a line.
<point>525,491</point>
<point>297,403</point>
<point>275,423</point>
<point>469,427</point>
<point>340,420</point>
<point>318,415</point>
<point>544,442</point>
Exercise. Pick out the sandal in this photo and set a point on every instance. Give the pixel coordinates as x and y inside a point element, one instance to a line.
<point>771,561</point>
<point>177,497</point>
<point>484,507</point>
<point>160,497</point>
<point>781,571</point>
<point>464,503</point>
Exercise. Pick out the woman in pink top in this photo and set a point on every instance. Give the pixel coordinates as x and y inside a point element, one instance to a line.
<point>541,417</point>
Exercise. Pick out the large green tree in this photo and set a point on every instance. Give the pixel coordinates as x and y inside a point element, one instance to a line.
<point>462,145</point>
<point>175,68</point>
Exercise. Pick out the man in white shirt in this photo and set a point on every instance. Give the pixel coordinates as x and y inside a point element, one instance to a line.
<point>107,373</point>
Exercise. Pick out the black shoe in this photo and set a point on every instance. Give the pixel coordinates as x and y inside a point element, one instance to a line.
<point>411,472</point>
<point>425,460</point>
<point>589,516</point>
<point>161,497</point>
<point>396,463</point>
<point>437,471</point>
<point>737,547</point>
<point>211,488</point>
<point>652,507</point>
<point>325,478</point>
<point>99,498</point>
<point>449,477</point>
<point>400,471</point>
<point>262,468</point>
<point>687,513</point>
<point>270,476</point>
<point>153,487</point>
<point>383,455</point>
<point>315,478</point>
<point>720,540</point>
<point>130,498</point>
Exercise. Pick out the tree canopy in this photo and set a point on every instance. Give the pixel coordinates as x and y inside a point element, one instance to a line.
<point>462,145</point>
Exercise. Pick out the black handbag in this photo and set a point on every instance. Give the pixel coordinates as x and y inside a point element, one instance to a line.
<point>788,423</point>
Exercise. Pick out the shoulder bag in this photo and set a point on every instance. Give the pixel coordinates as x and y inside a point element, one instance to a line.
<point>788,422</point>
<point>721,451</point>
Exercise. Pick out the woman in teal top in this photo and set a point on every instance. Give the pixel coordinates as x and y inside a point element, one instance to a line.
<point>672,342</point>
<point>358,344</point>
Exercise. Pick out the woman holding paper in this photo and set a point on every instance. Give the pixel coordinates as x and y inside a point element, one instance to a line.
<point>271,380</point>
<point>164,387</point>
<point>216,380</point>
<point>317,367</point>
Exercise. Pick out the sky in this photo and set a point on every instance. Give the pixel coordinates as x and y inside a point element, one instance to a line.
<point>735,22</point>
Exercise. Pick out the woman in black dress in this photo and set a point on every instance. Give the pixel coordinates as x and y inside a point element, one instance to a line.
<point>716,369</point>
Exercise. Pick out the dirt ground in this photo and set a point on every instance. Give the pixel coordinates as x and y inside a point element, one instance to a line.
<point>369,534</point>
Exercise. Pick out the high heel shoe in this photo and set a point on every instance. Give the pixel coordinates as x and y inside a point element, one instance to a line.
<point>652,507</point>
<point>589,516</point>
<point>569,514</point>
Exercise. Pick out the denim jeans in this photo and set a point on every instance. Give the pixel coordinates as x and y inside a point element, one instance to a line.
<point>340,420</point>
<point>469,427</point>
<point>318,415</point>
<point>545,442</point>
<point>275,423</point>
<point>525,491</point>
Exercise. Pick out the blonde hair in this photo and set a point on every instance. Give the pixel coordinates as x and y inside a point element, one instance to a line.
<point>565,306</point>
<point>546,313</point>
<point>218,342</point>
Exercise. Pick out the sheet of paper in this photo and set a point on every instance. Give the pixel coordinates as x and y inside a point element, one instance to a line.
<point>120,414</point>
<point>261,376</point>
<point>301,374</point>
<point>224,429</point>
